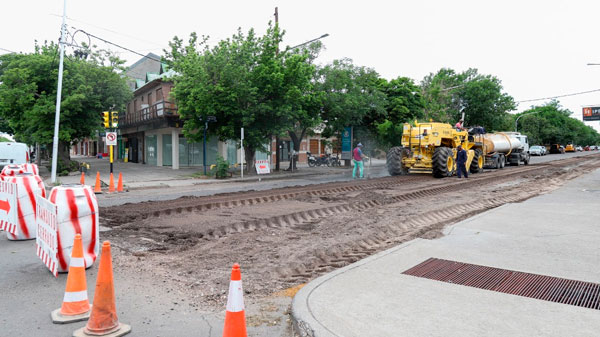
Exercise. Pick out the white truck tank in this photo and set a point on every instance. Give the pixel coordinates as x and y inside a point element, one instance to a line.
<point>503,142</point>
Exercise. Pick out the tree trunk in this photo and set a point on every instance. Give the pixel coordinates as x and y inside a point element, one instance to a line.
<point>64,156</point>
<point>249,158</point>
<point>296,142</point>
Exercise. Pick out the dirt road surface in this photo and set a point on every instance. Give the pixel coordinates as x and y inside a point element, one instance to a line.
<point>283,238</point>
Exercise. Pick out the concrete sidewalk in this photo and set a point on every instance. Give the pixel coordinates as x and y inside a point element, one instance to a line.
<point>555,234</point>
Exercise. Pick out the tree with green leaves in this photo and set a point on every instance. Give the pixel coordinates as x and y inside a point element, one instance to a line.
<point>350,93</point>
<point>28,95</point>
<point>404,103</point>
<point>551,124</point>
<point>245,82</point>
<point>449,94</point>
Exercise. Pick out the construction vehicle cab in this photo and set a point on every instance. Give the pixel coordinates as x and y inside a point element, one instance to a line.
<point>431,148</point>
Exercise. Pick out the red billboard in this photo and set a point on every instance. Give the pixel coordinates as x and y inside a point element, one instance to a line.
<point>591,113</point>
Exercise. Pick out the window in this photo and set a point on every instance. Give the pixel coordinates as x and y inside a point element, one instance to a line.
<point>159,95</point>
<point>150,98</point>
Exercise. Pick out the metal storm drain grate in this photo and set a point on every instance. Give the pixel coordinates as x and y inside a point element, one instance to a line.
<point>547,288</point>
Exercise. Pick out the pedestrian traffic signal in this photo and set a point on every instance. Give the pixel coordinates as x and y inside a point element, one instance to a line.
<point>106,121</point>
<point>114,118</point>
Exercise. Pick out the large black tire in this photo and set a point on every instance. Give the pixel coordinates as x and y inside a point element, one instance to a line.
<point>312,163</point>
<point>477,162</point>
<point>394,161</point>
<point>443,162</point>
<point>527,158</point>
<point>502,161</point>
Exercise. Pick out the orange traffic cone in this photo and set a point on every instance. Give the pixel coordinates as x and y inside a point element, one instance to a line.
<point>82,179</point>
<point>111,184</point>
<point>235,317</point>
<point>98,187</point>
<point>76,306</point>
<point>103,319</point>
<point>120,183</point>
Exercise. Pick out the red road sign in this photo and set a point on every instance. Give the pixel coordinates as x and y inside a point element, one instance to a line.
<point>111,138</point>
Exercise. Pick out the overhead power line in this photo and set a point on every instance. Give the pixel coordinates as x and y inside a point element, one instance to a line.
<point>6,50</point>
<point>119,46</point>
<point>559,96</point>
<point>110,30</point>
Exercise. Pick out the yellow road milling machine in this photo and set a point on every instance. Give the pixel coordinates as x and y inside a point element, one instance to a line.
<point>431,148</point>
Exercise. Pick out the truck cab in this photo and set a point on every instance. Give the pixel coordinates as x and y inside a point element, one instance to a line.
<point>521,154</point>
<point>13,153</point>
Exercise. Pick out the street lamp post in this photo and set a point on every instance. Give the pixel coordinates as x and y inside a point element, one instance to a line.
<point>517,120</point>
<point>277,149</point>
<point>63,36</point>
<point>209,119</point>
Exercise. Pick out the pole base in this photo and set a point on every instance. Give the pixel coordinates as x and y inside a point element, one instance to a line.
<point>122,330</point>
<point>58,318</point>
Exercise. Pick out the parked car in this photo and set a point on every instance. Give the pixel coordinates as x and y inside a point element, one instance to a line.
<point>536,150</point>
<point>593,148</point>
<point>586,148</point>
<point>578,148</point>
<point>570,148</point>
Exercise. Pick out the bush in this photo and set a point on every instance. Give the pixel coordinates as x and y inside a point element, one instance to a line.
<point>222,168</point>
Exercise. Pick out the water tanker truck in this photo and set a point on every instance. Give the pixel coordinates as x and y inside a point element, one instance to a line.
<point>501,148</point>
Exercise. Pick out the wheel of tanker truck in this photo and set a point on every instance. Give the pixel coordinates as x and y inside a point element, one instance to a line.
<point>477,162</point>
<point>394,161</point>
<point>502,161</point>
<point>527,158</point>
<point>443,162</point>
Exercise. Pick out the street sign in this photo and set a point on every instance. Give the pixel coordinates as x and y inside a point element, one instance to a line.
<point>262,167</point>
<point>8,207</point>
<point>347,143</point>
<point>111,138</point>
<point>46,239</point>
<point>591,113</point>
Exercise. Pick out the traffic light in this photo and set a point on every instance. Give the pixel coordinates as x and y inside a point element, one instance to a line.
<point>114,118</point>
<point>106,121</point>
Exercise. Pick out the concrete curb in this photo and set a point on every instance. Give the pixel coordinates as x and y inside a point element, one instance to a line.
<point>303,321</point>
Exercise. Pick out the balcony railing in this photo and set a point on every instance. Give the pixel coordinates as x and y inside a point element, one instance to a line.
<point>156,111</point>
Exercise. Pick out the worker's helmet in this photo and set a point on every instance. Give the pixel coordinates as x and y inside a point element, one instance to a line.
<point>359,145</point>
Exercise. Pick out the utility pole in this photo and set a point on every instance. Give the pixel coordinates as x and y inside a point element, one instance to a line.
<point>277,153</point>
<point>58,92</point>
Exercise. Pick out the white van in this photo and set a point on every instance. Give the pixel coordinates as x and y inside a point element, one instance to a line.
<point>13,153</point>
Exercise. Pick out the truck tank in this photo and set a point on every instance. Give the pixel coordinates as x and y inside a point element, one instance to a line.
<point>500,142</point>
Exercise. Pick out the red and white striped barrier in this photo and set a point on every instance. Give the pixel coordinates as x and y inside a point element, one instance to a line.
<point>11,171</point>
<point>77,214</point>
<point>30,168</point>
<point>46,238</point>
<point>28,186</point>
<point>14,169</point>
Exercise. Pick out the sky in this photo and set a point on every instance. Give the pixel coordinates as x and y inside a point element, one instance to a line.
<point>537,49</point>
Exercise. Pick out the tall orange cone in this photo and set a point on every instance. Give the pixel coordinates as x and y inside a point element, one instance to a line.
<point>98,187</point>
<point>103,319</point>
<point>82,179</point>
<point>75,306</point>
<point>120,183</point>
<point>235,317</point>
<point>111,184</point>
